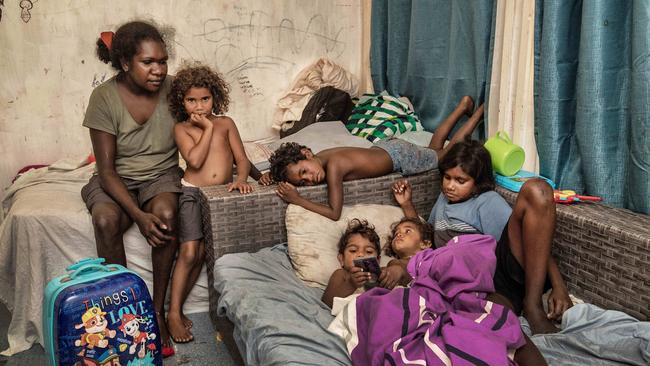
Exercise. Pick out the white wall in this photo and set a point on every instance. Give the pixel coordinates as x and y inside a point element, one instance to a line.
<point>48,65</point>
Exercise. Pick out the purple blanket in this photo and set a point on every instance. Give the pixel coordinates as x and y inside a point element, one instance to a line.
<point>443,317</point>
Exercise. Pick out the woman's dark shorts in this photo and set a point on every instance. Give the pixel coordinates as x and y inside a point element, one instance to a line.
<point>141,191</point>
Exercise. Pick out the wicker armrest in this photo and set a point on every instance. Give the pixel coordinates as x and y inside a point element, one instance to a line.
<point>604,255</point>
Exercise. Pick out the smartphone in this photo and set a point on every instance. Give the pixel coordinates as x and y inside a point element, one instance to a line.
<point>369,264</point>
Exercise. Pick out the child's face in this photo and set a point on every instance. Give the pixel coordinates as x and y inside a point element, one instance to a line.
<point>306,172</point>
<point>457,186</point>
<point>198,100</point>
<point>357,246</point>
<point>407,240</point>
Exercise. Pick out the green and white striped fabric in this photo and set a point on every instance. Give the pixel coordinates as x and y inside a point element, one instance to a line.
<point>379,117</point>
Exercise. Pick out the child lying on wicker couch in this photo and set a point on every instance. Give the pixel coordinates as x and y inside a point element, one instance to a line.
<point>296,165</point>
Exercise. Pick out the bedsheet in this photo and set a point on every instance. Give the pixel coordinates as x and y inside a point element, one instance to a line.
<point>46,228</point>
<point>278,320</point>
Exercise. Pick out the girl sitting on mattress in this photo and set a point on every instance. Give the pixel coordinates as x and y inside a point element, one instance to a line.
<point>469,205</point>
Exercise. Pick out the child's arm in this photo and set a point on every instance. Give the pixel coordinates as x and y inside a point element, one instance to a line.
<point>194,153</point>
<point>558,300</point>
<point>403,194</point>
<point>241,160</point>
<point>394,274</point>
<point>335,191</point>
<point>343,283</point>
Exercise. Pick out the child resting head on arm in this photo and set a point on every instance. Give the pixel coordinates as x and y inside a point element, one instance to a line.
<point>294,165</point>
<point>359,240</point>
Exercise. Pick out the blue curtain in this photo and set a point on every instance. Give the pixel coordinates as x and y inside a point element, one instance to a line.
<point>433,52</point>
<point>592,97</point>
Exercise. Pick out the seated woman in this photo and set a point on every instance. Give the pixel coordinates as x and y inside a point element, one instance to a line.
<point>137,175</point>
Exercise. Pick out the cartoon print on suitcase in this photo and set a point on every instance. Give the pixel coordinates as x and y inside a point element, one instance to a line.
<point>107,320</point>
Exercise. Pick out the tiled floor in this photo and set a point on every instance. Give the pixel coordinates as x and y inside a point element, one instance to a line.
<point>205,350</point>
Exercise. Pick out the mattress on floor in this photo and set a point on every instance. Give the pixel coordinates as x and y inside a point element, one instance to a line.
<point>278,320</point>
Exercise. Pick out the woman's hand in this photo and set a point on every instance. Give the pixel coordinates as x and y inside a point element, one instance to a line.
<point>391,276</point>
<point>288,192</point>
<point>153,229</point>
<point>558,302</point>
<point>243,187</point>
<point>265,179</point>
<point>357,277</point>
<point>402,191</point>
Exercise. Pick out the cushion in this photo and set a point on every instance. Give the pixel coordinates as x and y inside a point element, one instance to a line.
<point>379,117</point>
<point>323,135</point>
<point>313,239</point>
<point>258,154</point>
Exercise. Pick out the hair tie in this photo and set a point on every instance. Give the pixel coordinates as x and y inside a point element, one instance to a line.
<point>107,38</point>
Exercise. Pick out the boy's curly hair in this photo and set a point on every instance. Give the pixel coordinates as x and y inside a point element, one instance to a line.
<point>287,153</point>
<point>474,159</point>
<point>363,228</point>
<point>197,76</point>
<point>424,228</point>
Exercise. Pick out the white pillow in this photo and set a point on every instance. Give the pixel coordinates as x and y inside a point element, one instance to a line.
<point>323,135</point>
<point>313,239</point>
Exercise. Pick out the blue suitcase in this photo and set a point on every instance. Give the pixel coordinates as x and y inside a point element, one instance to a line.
<point>100,315</point>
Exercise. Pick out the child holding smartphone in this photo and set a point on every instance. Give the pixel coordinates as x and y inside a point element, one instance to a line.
<point>358,241</point>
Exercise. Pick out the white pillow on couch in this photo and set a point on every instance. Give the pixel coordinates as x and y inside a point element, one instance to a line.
<point>313,239</point>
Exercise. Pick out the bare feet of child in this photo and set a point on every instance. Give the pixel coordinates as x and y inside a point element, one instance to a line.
<point>467,104</point>
<point>186,321</point>
<point>167,346</point>
<point>180,333</point>
<point>539,322</point>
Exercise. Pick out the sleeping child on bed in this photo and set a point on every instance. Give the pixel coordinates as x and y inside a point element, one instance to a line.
<point>296,165</point>
<point>210,144</point>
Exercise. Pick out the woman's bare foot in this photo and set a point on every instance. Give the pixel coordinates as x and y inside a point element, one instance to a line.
<point>186,321</point>
<point>177,329</point>
<point>539,322</point>
<point>165,341</point>
<point>467,103</point>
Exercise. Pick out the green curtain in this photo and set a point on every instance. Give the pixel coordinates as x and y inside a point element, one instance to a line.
<point>432,51</point>
<point>592,98</point>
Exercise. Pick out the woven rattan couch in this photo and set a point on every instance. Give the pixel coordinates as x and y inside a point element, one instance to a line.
<point>603,252</point>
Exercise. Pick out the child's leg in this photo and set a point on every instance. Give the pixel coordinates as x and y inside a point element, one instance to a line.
<point>187,259</point>
<point>530,231</point>
<point>194,275</point>
<point>464,107</point>
<point>528,354</point>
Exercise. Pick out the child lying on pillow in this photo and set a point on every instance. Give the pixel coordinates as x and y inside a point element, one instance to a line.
<point>296,165</point>
<point>408,236</point>
<point>359,240</point>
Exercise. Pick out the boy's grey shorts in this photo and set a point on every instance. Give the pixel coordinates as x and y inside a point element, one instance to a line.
<point>409,159</point>
<point>190,219</point>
